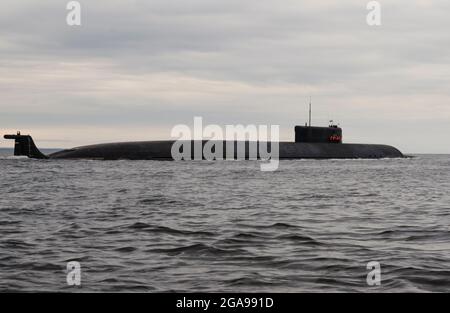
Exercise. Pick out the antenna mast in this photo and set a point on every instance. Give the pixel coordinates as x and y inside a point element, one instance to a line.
<point>310,111</point>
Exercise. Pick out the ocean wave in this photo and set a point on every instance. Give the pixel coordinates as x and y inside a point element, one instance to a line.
<point>187,226</point>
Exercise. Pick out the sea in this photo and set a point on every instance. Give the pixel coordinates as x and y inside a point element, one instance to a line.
<point>225,226</point>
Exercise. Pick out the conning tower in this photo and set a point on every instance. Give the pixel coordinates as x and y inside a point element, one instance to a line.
<point>314,134</point>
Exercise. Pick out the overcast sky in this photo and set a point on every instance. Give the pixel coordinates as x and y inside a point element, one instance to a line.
<point>134,69</point>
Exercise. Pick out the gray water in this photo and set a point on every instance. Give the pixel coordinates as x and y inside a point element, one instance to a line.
<point>159,226</point>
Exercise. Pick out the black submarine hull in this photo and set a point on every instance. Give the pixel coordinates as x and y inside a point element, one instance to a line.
<point>162,150</point>
<point>310,143</point>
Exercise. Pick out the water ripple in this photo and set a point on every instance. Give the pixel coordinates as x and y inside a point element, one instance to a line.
<point>225,226</point>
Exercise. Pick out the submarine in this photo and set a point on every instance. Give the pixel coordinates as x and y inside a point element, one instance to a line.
<point>311,142</point>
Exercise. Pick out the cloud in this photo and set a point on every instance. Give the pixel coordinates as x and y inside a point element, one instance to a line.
<point>148,65</point>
